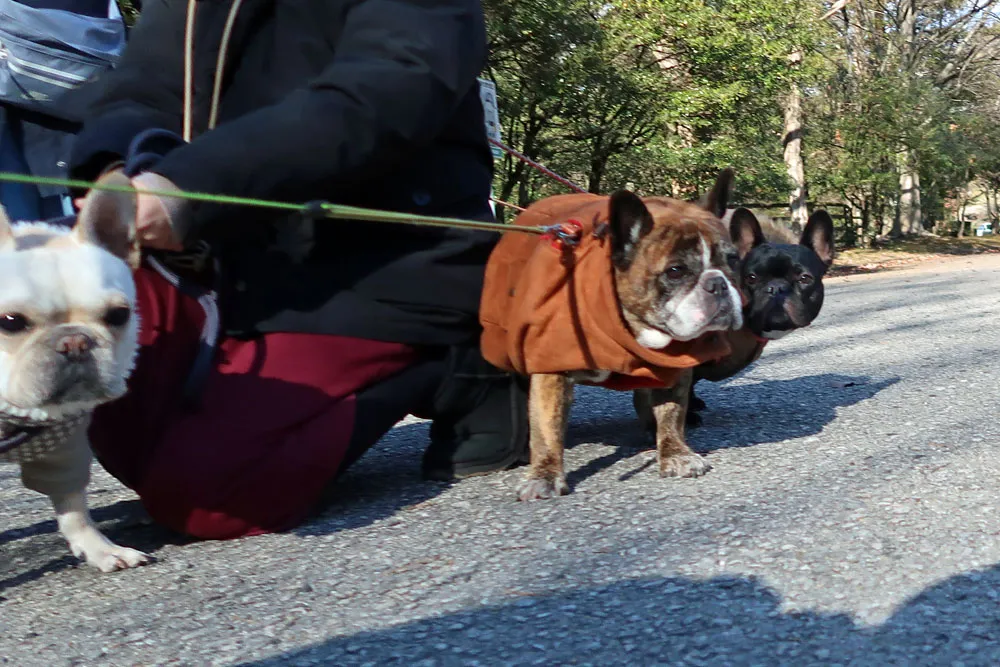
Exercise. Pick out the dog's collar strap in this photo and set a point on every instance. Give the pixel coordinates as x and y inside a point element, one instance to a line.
<point>27,440</point>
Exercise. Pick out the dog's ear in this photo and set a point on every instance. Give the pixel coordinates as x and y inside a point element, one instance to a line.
<point>717,199</point>
<point>745,231</point>
<point>818,236</point>
<point>6,231</point>
<point>107,219</point>
<point>628,221</point>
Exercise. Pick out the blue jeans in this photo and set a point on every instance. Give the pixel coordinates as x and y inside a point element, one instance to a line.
<point>23,202</point>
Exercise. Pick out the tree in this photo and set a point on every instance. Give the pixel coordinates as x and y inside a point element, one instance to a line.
<point>533,58</point>
<point>792,140</point>
<point>928,50</point>
<point>660,95</point>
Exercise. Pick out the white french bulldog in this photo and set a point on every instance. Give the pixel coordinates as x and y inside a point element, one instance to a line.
<point>68,341</point>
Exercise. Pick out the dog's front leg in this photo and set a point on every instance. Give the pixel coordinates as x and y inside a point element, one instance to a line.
<point>86,541</point>
<point>63,475</point>
<point>549,402</point>
<point>669,408</point>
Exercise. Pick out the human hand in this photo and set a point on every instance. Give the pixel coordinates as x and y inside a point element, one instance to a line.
<point>154,213</point>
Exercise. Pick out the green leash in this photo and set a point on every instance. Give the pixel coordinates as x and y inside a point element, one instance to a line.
<point>317,209</point>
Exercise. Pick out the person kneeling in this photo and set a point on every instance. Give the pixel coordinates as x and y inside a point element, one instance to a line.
<point>326,333</point>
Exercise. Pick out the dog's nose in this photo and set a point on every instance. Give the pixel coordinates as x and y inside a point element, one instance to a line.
<point>715,285</point>
<point>777,287</point>
<point>74,346</point>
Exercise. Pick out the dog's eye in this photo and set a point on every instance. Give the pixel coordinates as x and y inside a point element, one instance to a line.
<point>676,272</point>
<point>117,317</point>
<point>751,279</point>
<point>14,323</point>
<point>805,279</point>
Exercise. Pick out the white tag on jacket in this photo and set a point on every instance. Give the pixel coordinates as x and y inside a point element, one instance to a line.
<point>491,113</point>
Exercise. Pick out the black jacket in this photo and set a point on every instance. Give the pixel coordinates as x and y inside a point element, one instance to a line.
<point>369,103</point>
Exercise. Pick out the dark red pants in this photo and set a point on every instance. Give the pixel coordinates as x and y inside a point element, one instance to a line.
<point>278,419</point>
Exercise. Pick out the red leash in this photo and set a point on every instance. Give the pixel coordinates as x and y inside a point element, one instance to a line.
<point>507,204</point>
<point>531,163</point>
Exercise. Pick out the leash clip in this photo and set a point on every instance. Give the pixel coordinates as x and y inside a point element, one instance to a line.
<point>315,210</point>
<point>565,235</point>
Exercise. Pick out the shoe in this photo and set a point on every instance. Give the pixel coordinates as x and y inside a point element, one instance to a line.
<point>480,419</point>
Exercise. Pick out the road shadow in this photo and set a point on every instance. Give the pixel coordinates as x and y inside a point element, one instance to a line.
<point>124,522</point>
<point>748,414</point>
<point>381,483</point>
<point>744,414</point>
<point>682,621</point>
<point>123,516</point>
<point>384,481</point>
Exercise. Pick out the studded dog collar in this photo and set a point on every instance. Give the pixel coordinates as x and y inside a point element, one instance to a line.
<point>23,439</point>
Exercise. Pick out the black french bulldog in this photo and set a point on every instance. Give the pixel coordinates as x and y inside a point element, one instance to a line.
<point>783,282</point>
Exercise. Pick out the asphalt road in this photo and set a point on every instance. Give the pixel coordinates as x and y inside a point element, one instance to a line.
<point>850,518</point>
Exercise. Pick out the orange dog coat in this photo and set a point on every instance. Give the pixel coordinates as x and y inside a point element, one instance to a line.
<point>551,308</point>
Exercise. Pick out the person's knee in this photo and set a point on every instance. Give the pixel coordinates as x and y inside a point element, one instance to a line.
<point>219,487</point>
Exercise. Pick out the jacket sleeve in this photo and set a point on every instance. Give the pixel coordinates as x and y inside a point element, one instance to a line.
<point>142,92</point>
<point>400,70</point>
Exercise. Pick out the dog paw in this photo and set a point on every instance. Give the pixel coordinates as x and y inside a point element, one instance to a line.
<point>684,465</point>
<point>107,556</point>
<point>537,488</point>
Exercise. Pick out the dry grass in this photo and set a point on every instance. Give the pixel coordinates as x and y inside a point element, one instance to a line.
<point>910,251</point>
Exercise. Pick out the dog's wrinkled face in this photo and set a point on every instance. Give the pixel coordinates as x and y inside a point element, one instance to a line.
<point>67,299</point>
<point>672,268</point>
<point>783,281</point>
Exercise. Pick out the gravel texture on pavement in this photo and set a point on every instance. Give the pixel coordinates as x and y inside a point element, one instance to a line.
<point>850,518</point>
